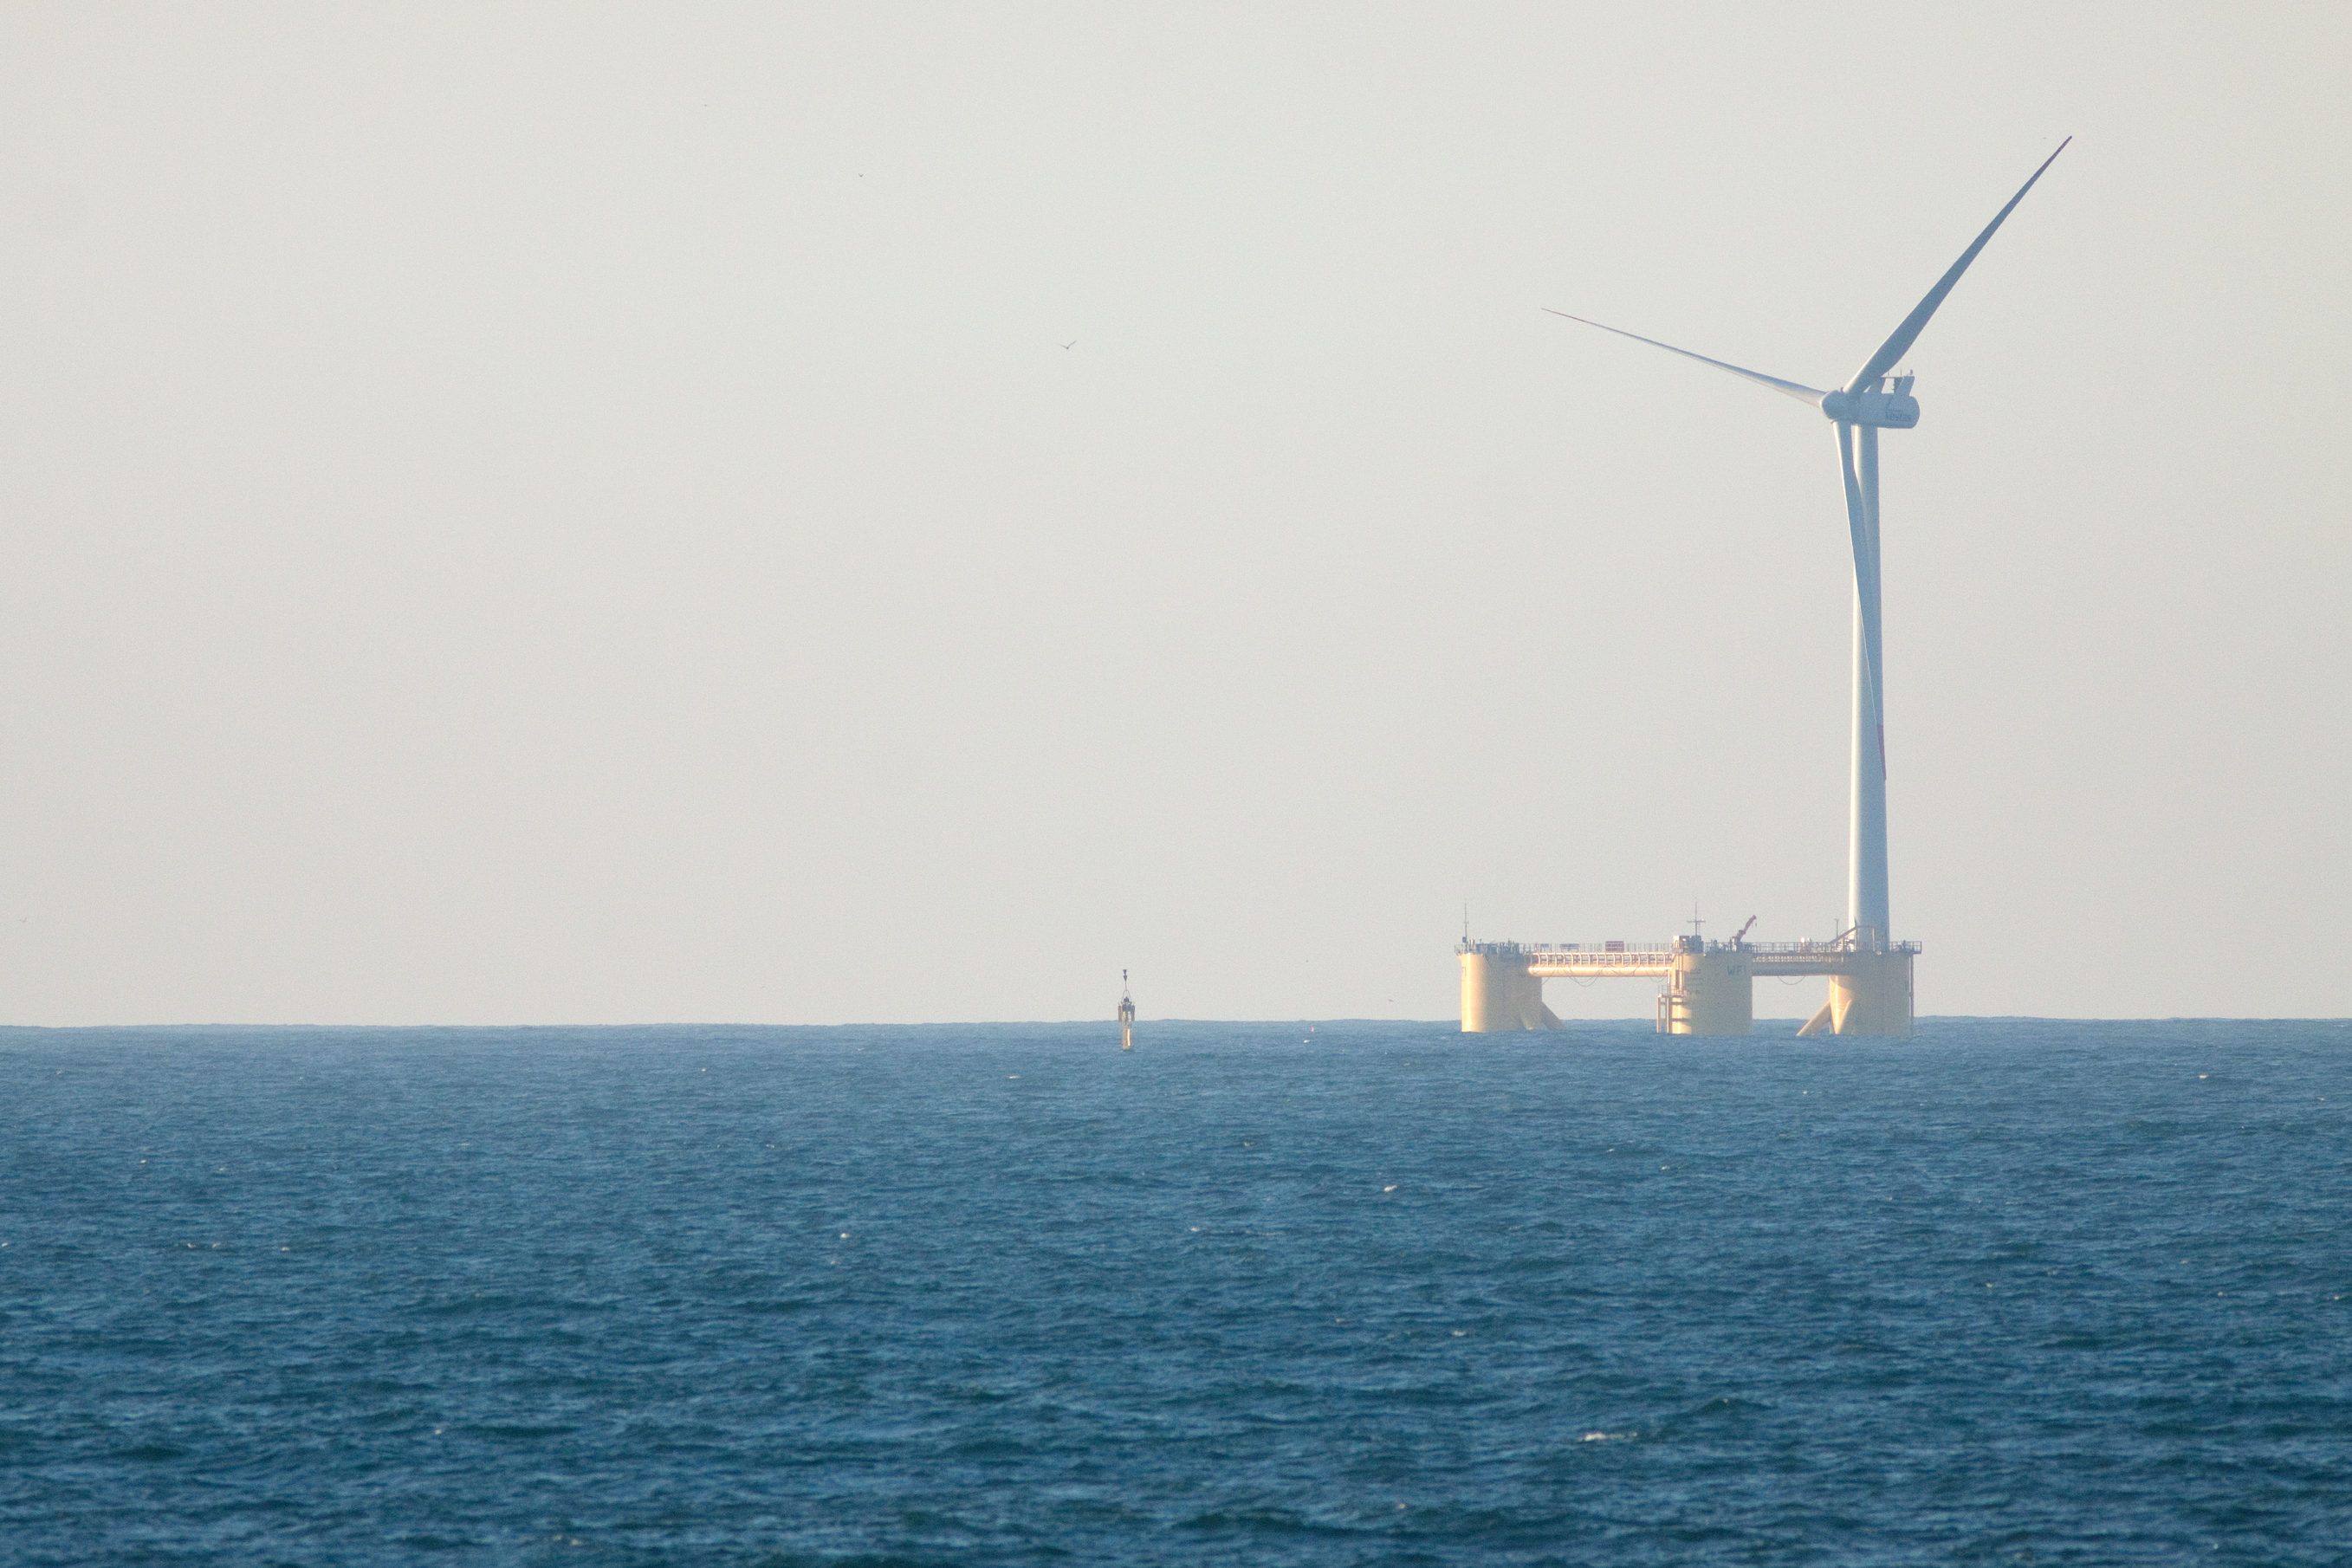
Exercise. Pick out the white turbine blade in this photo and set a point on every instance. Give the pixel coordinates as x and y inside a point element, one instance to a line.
<point>1787,388</point>
<point>1894,347</point>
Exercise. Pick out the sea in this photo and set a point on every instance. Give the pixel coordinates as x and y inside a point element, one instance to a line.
<point>1337,1293</point>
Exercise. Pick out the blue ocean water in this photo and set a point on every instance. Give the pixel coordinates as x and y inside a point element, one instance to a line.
<point>2007,1291</point>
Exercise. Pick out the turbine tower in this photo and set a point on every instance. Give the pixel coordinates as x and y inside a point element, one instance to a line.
<point>1872,400</point>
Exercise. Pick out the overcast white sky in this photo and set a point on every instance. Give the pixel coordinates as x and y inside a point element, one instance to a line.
<point>812,514</point>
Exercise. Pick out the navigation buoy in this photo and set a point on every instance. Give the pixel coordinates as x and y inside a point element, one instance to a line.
<point>1126,1015</point>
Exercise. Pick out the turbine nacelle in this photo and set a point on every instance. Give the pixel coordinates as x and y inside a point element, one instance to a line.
<point>1889,405</point>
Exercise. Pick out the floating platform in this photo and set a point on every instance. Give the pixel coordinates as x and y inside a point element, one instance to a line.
<point>1710,985</point>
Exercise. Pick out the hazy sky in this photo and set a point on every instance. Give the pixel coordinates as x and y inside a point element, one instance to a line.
<point>812,514</point>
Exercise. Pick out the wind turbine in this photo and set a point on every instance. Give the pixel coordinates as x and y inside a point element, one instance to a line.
<point>1869,402</point>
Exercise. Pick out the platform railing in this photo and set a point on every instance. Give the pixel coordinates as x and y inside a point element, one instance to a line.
<point>1804,947</point>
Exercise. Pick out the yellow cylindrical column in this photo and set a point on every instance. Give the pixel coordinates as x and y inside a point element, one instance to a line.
<point>1712,992</point>
<point>1478,1002</point>
<point>1498,995</point>
<point>1874,997</point>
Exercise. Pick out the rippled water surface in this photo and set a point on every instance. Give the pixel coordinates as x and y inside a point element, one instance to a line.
<point>2007,1291</point>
